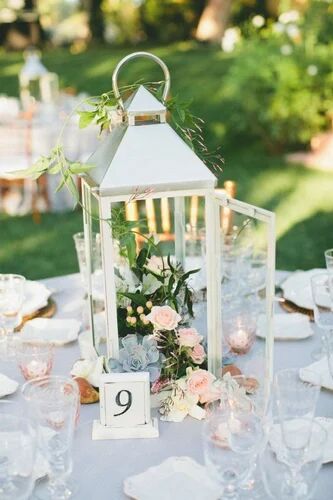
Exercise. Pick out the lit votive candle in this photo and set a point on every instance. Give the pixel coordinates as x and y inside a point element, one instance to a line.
<point>240,341</point>
<point>36,368</point>
<point>34,359</point>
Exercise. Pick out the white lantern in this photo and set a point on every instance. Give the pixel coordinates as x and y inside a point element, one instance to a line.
<point>37,84</point>
<point>143,154</point>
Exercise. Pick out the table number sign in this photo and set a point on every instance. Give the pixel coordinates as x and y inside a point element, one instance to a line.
<point>125,407</point>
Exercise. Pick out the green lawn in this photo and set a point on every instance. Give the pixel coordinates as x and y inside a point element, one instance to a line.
<point>302,198</point>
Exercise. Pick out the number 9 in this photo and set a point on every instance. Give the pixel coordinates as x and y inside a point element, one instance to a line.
<point>126,404</point>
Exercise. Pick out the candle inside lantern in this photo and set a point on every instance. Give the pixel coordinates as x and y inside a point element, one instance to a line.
<point>241,340</point>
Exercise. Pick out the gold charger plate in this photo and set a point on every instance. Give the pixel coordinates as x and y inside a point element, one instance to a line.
<point>45,312</point>
<point>289,306</point>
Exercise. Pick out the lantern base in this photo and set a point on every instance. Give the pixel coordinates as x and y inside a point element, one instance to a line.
<point>100,431</point>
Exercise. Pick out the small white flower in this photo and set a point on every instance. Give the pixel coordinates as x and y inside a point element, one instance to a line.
<point>291,16</point>
<point>90,370</point>
<point>312,70</point>
<point>258,21</point>
<point>286,50</point>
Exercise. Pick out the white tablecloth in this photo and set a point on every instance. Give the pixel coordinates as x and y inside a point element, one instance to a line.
<point>101,466</point>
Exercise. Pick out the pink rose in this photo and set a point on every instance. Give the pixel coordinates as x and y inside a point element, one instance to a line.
<point>199,382</point>
<point>213,394</point>
<point>188,337</point>
<point>198,354</point>
<point>163,318</point>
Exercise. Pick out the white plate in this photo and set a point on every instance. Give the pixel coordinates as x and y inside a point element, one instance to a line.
<point>320,367</point>
<point>36,296</point>
<point>275,440</point>
<point>297,288</point>
<point>179,478</point>
<point>293,326</point>
<point>7,385</point>
<point>56,331</point>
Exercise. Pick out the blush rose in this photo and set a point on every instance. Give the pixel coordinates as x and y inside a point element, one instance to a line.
<point>188,337</point>
<point>163,318</point>
<point>198,354</point>
<point>199,382</point>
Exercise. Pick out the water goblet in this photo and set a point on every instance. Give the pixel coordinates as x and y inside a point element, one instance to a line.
<point>35,359</point>
<point>230,441</point>
<point>322,308</point>
<point>54,402</point>
<point>11,300</point>
<point>18,444</point>
<point>275,469</point>
<point>296,400</point>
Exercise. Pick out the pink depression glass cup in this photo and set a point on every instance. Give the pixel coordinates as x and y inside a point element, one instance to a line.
<point>34,359</point>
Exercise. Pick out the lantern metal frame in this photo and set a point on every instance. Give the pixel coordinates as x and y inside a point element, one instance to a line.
<point>213,202</point>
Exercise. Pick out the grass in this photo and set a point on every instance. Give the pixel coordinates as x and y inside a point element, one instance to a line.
<point>302,198</point>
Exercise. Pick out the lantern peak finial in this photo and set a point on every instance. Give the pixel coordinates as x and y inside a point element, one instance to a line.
<point>144,104</point>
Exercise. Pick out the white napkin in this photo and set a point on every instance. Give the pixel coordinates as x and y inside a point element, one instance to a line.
<point>286,326</point>
<point>7,385</point>
<point>179,478</point>
<point>320,367</point>
<point>57,331</point>
<point>36,296</point>
<point>275,440</point>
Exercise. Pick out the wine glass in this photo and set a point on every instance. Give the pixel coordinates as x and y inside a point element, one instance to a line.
<point>11,300</point>
<point>275,470</point>
<point>18,444</point>
<point>322,308</point>
<point>230,441</point>
<point>54,403</point>
<point>296,400</point>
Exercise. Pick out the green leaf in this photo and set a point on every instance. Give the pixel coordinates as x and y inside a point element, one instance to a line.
<point>138,298</point>
<point>81,168</point>
<point>86,117</point>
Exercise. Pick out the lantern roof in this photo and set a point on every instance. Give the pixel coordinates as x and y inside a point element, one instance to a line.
<point>143,150</point>
<point>143,102</point>
<point>147,155</point>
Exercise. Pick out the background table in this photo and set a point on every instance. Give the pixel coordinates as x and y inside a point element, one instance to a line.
<point>101,466</point>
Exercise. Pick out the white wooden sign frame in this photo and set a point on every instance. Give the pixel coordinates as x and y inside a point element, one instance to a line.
<point>137,424</point>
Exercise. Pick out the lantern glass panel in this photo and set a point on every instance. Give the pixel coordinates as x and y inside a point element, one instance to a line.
<point>247,274</point>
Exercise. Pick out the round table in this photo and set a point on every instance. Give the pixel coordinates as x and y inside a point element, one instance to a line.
<point>100,467</point>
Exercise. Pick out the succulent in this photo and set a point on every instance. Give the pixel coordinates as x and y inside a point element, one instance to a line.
<point>138,354</point>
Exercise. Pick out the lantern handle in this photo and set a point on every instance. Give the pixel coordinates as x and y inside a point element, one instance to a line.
<point>135,55</point>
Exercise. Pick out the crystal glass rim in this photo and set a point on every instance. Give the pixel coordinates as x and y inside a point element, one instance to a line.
<point>36,382</point>
<point>43,347</point>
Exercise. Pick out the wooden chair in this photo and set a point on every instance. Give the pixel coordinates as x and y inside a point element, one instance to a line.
<point>17,153</point>
<point>161,226</point>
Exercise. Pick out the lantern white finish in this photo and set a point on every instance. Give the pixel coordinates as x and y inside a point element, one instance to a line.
<point>149,155</point>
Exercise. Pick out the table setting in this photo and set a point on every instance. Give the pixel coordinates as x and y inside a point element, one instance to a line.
<point>177,363</point>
